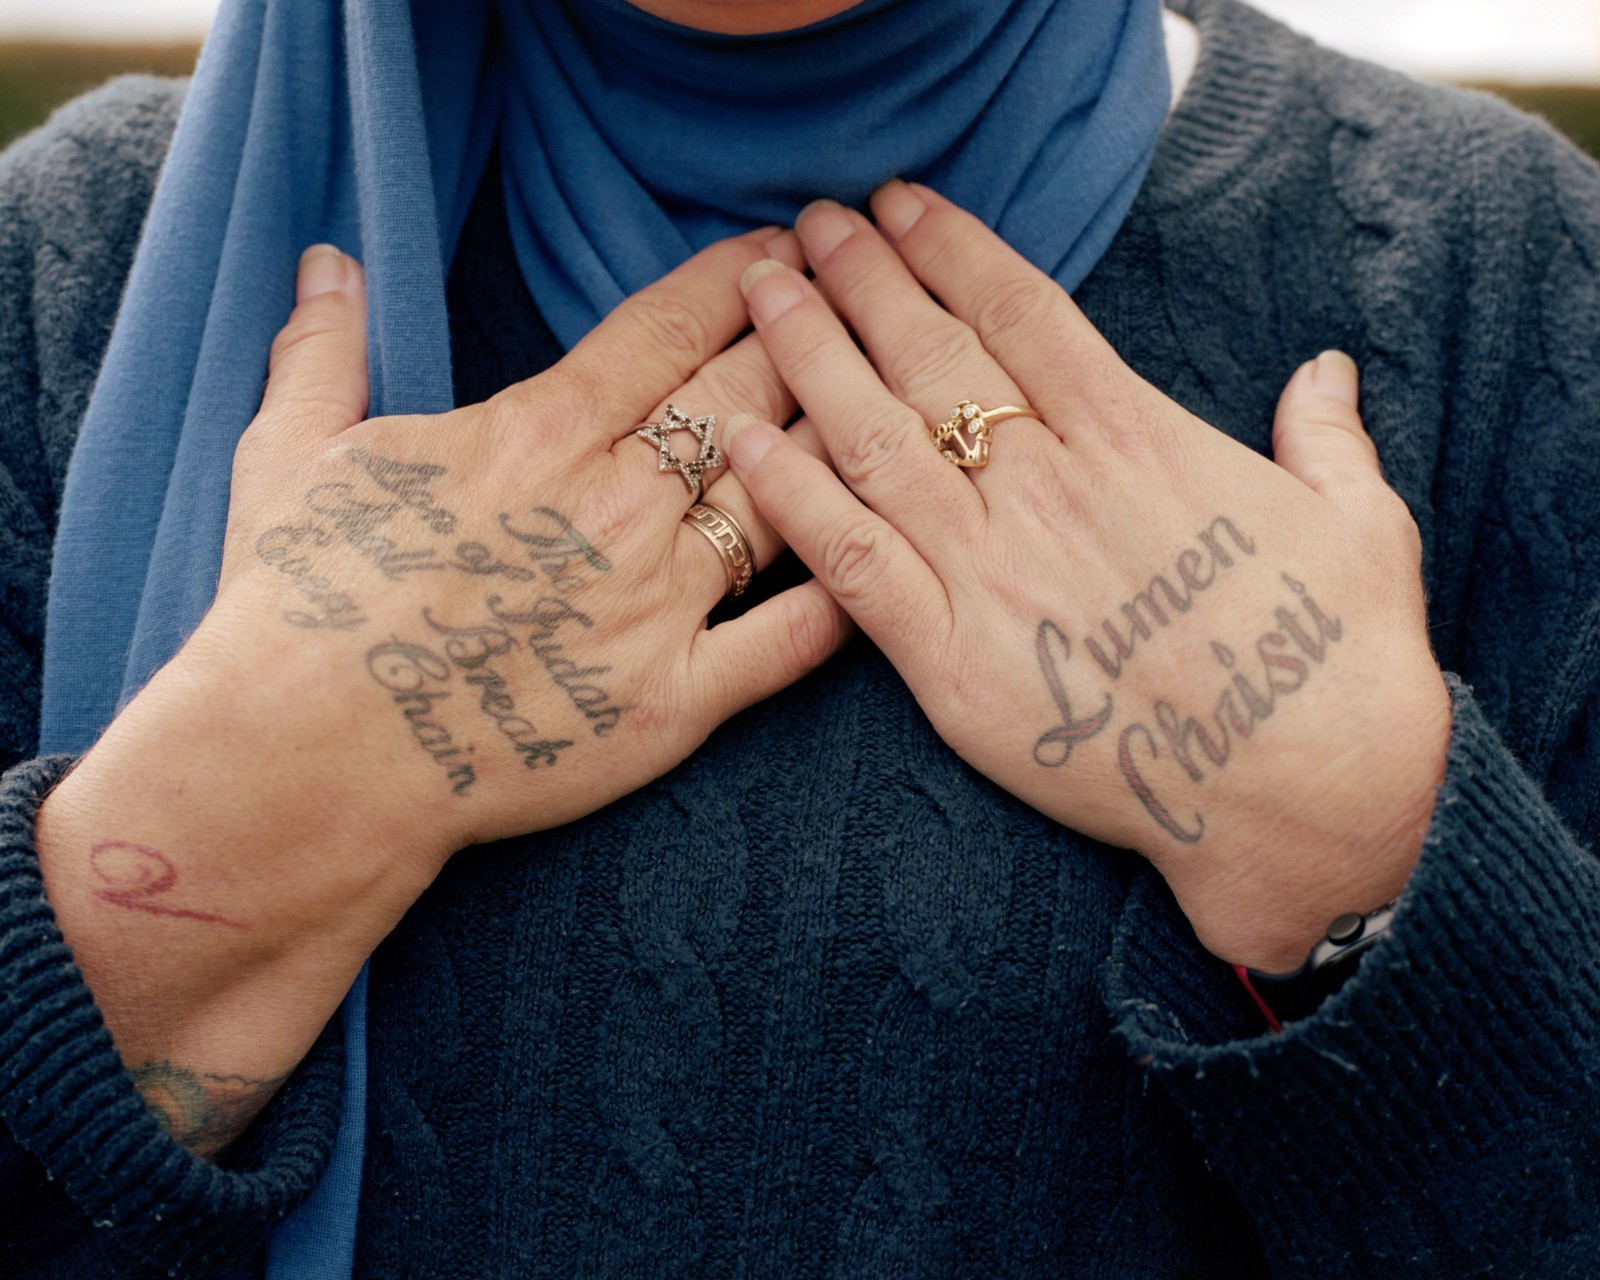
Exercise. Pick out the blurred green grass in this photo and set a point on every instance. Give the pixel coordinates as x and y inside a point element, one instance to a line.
<point>1573,109</point>
<point>36,77</point>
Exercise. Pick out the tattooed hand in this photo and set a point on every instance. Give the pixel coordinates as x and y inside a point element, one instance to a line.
<point>504,601</point>
<point>428,632</point>
<point>1129,620</point>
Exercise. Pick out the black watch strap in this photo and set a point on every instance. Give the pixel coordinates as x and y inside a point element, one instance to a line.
<point>1283,997</point>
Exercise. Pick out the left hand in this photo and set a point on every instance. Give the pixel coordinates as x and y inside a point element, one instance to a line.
<point>1129,620</point>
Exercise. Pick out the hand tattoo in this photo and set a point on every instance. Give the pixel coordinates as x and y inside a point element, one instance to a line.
<point>278,547</point>
<point>1145,613</point>
<point>1285,656</point>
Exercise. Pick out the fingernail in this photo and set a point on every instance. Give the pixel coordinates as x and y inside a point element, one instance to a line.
<point>1334,374</point>
<point>897,208</point>
<point>823,226</point>
<point>773,298</point>
<point>323,269</point>
<point>784,247</point>
<point>746,439</point>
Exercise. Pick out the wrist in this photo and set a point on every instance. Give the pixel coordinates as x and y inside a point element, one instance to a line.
<point>1351,849</point>
<point>219,874</point>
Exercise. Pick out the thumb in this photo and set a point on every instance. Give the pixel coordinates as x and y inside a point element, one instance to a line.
<point>1318,436</point>
<point>317,374</point>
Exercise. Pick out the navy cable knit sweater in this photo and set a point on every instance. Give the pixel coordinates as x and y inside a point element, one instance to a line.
<point>823,1002</point>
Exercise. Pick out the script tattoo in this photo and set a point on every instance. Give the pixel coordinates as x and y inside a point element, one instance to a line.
<point>1055,746</point>
<point>409,482</point>
<point>1152,609</point>
<point>1242,704</point>
<point>556,546</point>
<point>205,1111</point>
<point>474,557</point>
<point>358,523</point>
<point>407,671</point>
<point>1285,655</point>
<point>138,878</point>
<point>284,548</point>
<point>470,649</point>
<point>547,618</point>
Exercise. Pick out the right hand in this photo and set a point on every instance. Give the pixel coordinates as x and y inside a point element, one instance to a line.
<point>500,608</point>
<point>428,632</point>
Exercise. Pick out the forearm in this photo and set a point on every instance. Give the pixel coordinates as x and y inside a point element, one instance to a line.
<point>220,888</point>
<point>1445,1064</point>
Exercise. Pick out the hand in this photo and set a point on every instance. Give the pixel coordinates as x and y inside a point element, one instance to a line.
<point>429,631</point>
<point>506,598</point>
<point>1129,620</point>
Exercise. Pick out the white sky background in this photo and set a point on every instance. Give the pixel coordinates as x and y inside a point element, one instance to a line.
<point>1489,39</point>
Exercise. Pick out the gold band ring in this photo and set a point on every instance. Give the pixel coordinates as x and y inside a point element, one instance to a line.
<point>964,437</point>
<point>728,538</point>
<point>704,431</point>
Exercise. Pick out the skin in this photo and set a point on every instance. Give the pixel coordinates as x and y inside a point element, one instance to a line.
<point>744,17</point>
<point>414,649</point>
<point>1135,624</point>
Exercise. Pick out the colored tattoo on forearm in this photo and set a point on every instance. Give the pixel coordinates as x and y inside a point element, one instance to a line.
<point>138,878</point>
<point>205,1111</point>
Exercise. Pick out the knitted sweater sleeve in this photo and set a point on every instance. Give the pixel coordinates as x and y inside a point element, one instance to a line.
<point>1440,1116</point>
<point>90,1184</point>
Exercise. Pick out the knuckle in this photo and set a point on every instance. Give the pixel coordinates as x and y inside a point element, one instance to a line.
<point>869,449</point>
<point>608,512</point>
<point>1391,513</point>
<point>1133,427</point>
<point>809,635</point>
<point>1325,415</point>
<point>671,325</point>
<point>747,385</point>
<point>1008,305</point>
<point>253,448</point>
<point>851,557</point>
<point>576,388</point>
<point>925,359</point>
<point>311,324</point>
<point>941,237</point>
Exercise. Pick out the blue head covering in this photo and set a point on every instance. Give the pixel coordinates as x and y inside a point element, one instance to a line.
<point>627,144</point>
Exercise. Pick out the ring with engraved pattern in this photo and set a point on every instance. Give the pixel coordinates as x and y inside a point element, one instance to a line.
<point>724,533</point>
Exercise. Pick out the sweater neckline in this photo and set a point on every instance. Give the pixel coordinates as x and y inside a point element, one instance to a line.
<point>1247,65</point>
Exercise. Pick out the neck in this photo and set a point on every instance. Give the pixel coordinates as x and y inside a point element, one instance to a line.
<point>743,17</point>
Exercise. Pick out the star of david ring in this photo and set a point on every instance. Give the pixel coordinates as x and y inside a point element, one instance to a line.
<point>964,437</point>
<point>724,533</point>
<point>704,431</point>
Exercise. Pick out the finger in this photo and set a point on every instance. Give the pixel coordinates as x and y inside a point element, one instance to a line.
<point>317,370</point>
<point>863,561</point>
<point>650,345</point>
<point>699,562</point>
<point>927,357</point>
<point>1020,314</point>
<point>749,658</point>
<point>1317,435</point>
<point>879,445</point>
<point>740,380</point>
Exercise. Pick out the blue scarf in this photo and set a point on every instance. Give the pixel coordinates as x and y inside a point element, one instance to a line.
<point>627,144</point>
